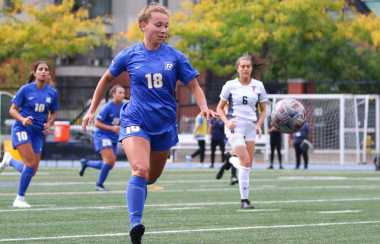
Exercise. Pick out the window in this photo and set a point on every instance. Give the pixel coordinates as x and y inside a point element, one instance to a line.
<point>100,8</point>
<point>162,2</point>
<point>9,6</point>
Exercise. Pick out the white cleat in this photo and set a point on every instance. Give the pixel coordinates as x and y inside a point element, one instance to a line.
<point>6,159</point>
<point>20,204</point>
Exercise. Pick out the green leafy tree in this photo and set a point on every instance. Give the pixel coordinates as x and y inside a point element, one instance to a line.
<point>45,30</point>
<point>302,38</point>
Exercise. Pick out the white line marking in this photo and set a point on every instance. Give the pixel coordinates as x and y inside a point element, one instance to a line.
<point>198,230</point>
<point>257,210</point>
<point>345,211</point>
<point>201,190</point>
<point>196,204</point>
<point>177,208</point>
<point>17,173</point>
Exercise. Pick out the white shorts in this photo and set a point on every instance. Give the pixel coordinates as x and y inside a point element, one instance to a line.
<point>244,127</point>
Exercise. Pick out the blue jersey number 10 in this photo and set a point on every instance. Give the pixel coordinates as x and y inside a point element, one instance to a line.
<point>39,107</point>
<point>157,80</point>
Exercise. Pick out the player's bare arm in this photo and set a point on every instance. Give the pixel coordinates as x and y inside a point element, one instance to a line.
<point>99,124</point>
<point>99,93</point>
<point>220,110</point>
<point>14,112</point>
<point>200,99</point>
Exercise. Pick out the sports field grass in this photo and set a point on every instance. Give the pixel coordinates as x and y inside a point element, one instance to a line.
<point>190,206</point>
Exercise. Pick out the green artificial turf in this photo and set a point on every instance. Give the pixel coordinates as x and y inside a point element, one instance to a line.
<point>190,206</point>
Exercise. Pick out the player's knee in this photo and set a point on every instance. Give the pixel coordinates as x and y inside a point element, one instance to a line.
<point>141,170</point>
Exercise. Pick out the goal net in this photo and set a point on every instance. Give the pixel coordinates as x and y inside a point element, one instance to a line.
<point>344,128</point>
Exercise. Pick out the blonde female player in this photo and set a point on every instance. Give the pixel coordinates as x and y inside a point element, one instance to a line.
<point>148,126</point>
<point>31,107</point>
<point>241,121</point>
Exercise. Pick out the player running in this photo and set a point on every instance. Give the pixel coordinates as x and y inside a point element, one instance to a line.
<point>148,125</point>
<point>106,137</point>
<point>241,121</point>
<point>33,107</point>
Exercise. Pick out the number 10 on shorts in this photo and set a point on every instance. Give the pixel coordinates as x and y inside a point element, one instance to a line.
<point>132,129</point>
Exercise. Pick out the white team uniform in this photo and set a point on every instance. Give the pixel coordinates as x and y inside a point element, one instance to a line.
<point>243,102</point>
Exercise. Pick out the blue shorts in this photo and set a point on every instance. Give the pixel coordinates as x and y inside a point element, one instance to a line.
<point>102,142</point>
<point>161,142</point>
<point>22,134</point>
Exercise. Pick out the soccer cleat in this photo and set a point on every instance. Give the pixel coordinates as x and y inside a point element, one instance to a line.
<point>82,166</point>
<point>270,167</point>
<point>227,164</point>
<point>189,158</point>
<point>234,180</point>
<point>281,167</point>
<point>20,204</point>
<point>6,158</point>
<point>220,172</point>
<point>100,188</point>
<point>136,233</point>
<point>201,165</point>
<point>246,204</point>
<point>211,166</point>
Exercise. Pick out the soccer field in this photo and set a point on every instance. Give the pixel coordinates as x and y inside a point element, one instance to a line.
<point>190,206</point>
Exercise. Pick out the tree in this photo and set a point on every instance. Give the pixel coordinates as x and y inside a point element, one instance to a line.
<point>309,39</point>
<point>46,30</point>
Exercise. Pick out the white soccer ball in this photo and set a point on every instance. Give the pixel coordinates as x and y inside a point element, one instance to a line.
<point>288,116</point>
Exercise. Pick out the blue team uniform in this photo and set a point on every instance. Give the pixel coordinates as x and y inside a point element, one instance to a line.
<point>36,103</point>
<point>109,115</point>
<point>151,112</point>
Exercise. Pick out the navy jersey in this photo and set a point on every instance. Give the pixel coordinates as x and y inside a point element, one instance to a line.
<point>153,76</point>
<point>109,115</point>
<point>36,103</point>
<point>217,129</point>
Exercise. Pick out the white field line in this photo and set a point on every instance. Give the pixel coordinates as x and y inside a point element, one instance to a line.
<point>221,181</point>
<point>178,208</point>
<point>17,173</point>
<point>193,204</point>
<point>344,211</point>
<point>201,190</point>
<point>189,231</point>
<point>257,210</point>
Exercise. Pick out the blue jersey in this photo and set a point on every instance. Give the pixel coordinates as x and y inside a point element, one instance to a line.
<point>36,103</point>
<point>153,77</point>
<point>109,115</point>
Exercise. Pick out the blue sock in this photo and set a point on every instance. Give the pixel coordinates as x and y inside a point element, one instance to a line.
<point>95,164</point>
<point>136,198</point>
<point>26,177</point>
<point>19,166</point>
<point>104,173</point>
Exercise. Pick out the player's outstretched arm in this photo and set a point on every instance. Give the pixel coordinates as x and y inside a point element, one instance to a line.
<point>200,99</point>
<point>99,93</point>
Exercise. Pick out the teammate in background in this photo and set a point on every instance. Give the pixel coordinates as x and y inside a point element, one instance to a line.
<point>216,136</point>
<point>199,133</point>
<point>296,140</point>
<point>243,94</point>
<point>148,126</point>
<point>275,143</point>
<point>31,107</point>
<point>106,137</point>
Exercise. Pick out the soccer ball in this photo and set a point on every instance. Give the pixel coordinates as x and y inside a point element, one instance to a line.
<point>288,116</point>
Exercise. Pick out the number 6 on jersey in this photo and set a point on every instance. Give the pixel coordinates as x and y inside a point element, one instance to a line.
<point>157,80</point>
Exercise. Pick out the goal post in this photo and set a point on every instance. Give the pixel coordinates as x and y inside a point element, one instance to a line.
<point>340,124</point>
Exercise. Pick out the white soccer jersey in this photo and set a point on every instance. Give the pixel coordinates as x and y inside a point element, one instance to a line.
<point>243,100</point>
